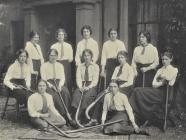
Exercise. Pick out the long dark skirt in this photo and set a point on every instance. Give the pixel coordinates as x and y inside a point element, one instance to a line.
<point>123,127</point>
<point>34,77</point>
<point>148,103</point>
<point>57,100</point>
<point>98,108</point>
<point>110,67</point>
<point>68,73</point>
<point>148,76</point>
<point>21,95</point>
<point>88,97</point>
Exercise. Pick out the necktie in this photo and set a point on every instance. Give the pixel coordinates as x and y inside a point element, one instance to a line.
<point>44,108</point>
<point>86,43</point>
<point>120,71</point>
<point>62,51</point>
<point>86,77</point>
<point>143,51</point>
<point>54,70</point>
<point>36,48</point>
<point>112,103</point>
<point>22,72</point>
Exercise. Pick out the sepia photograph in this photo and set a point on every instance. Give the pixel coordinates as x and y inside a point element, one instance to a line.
<point>92,69</point>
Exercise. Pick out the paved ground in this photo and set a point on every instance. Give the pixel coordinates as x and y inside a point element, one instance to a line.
<point>12,129</point>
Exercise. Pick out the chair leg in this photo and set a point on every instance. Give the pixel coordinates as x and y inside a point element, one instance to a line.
<point>4,110</point>
<point>17,109</point>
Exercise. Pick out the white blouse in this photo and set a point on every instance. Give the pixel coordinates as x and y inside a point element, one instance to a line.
<point>121,103</point>
<point>111,49</point>
<point>34,53</point>
<point>14,72</point>
<point>93,74</point>
<point>35,104</point>
<point>53,71</point>
<point>150,56</point>
<point>81,46</point>
<point>67,48</point>
<point>126,75</point>
<point>169,73</point>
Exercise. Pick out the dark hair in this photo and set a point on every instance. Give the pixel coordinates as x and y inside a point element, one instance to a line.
<point>87,51</point>
<point>51,50</point>
<point>125,54</point>
<point>19,52</point>
<point>147,35</point>
<point>169,54</point>
<point>88,27</point>
<point>32,34</point>
<point>61,30</point>
<point>110,30</point>
<point>42,80</point>
<point>114,81</point>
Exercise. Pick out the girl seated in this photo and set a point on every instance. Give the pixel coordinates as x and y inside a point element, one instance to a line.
<point>41,105</point>
<point>147,102</point>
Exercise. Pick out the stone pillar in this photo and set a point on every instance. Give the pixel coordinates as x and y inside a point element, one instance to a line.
<point>88,12</point>
<point>124,21</point>
<point>30,22</point>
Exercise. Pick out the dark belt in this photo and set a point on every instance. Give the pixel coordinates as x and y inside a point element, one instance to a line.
<point>87,83</point>
<point>18,81</point>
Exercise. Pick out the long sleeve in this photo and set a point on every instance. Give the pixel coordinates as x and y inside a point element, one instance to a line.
<point>77,56</point>
<point>43,72</point>
<point>103,56</point>
<point>78,77</point>
<point>8,77</point>
<point>52,107</point>
<point>134,63</point>
<point>157,83</point>
<point>130,78</point>
<point>95,76</point>
<point>156,60</point>
<point>31,108</point>
<point>128,109</point>
<point>28,77</point>
<point>95,52</point>
<point>62,77</point>
<point>70,54</point>
<point>105,108</point>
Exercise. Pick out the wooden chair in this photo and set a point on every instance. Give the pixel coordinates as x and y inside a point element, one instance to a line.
<point>170,101</point>
<point>15,106</point>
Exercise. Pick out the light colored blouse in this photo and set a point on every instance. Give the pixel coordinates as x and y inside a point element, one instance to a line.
<point>121,103</point>
<point>126,75</point>
<point>34,53</point>
<point>35,105</point>
<point>67,48</point>
<point>53,71</point>
<point>89,44</point>
<point>111,49</point>
<point>14,72</point>
<point>93,74</point>
<point>149,56</point>
<point>169,73</point>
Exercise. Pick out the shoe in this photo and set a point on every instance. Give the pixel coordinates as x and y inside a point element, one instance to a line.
<point>73,124</point>
<point>64,128</point>
<point>92,122</point>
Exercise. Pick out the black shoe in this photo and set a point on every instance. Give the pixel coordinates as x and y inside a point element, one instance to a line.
<point>92,122</point>
<point>73,124</point>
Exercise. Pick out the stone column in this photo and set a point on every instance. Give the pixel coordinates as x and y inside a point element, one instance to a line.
<point>88,12</point>
<point>30,22</point>
<point>124,21</point>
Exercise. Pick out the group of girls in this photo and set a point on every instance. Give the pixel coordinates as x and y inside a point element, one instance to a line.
<point>134,91</point>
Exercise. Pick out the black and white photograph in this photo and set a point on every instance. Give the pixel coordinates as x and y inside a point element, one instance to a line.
<point>92,69</point>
